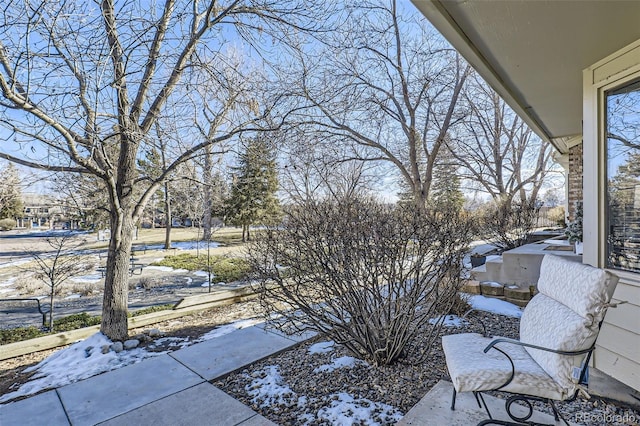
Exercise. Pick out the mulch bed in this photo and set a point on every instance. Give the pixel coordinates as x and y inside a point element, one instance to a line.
<point>400,385</point>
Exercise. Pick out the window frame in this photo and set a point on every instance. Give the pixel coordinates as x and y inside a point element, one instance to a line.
<point>606,91</point>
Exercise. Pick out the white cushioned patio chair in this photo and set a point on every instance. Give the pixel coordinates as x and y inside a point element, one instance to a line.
<point>558,330</point>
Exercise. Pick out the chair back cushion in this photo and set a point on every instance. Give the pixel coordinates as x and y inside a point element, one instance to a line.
<point>582,288</point>
<point>565,315</point>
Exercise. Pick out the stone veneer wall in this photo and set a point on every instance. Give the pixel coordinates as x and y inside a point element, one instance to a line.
<point>575,178</point>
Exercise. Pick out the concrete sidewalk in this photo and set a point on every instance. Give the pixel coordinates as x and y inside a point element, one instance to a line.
<point>171,389</point>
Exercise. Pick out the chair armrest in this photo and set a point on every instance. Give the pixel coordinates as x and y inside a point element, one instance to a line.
<point>528,345</point>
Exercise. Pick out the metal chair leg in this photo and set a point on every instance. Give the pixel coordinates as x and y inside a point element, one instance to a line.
<point>453,400</point>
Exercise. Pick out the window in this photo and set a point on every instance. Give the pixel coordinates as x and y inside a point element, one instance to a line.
<point>623,177</point>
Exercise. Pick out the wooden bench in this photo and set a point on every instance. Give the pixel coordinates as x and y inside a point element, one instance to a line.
<point>41,309</point>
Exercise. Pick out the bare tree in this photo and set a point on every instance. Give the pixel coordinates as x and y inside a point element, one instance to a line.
<point>369,275</point>
<point>499,153</point>
<point>388,84</point>
<point>63,262</point>
<point>313,170</point>
<point>83,84</point>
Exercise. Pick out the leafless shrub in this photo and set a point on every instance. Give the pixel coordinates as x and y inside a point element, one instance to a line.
<point>85,289</point>
<point>147,283</point>
<point>368,275</point>
<point>508,224</point>
<point>460,304</point>
<point>55,267</point>
<point>26,284</point>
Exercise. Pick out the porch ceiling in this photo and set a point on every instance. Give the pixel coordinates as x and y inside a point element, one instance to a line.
<point>533,52</point>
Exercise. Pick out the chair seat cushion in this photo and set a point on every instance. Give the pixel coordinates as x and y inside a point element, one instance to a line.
<point>473,370</point>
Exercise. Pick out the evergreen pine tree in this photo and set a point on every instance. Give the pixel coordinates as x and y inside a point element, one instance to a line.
<point>445,187</point>
<point>11,206</point>
<point>253,191</point>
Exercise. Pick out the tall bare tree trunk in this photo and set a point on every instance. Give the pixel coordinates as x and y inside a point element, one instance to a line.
<point>206,176</point>
<point>168,218</point>
<point>115,300</point>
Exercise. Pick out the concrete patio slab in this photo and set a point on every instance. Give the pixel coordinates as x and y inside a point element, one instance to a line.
<point>203,404</point>
<point>217,357</point>
<point>111,394</point>
<point>435,409</point>
<point>43,409</point>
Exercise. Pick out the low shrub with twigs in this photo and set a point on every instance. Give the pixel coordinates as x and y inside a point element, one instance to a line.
<point>369,275</point>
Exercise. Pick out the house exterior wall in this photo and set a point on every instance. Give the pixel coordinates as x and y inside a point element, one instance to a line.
<point>617,349</point>
<point>574,179</point>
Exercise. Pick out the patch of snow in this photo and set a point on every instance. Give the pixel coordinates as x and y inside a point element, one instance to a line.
<point>494,257</point>
<point>185,245</point>
<point>161,268</point>
<point>481,247</point>
<point>188,280</point>
<point>495,306</point>
<point>15,263</point>
<point>170,342</point>
<point>8,282</point>
<point>204,285</point>
<point>72,296</point>
<point>555,242</point>
<point>6,290</point>
<point>342,362</point>
<point>201,274</point>
<point>92,278</point>
<point>79,361</point>
<point>226,329</point>
<point>166,269</point>
<point>347,410</point>
<point>322,347</point>
<point>267,389</point>
<point>449,321</point>
<point>492,284</point>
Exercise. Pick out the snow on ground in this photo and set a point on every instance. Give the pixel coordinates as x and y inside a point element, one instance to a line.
<point>15,263</point>
<point>322,347</point>
<point>8,282</point>
<point>184,245</point>
<point>72,296</point>
<point>342,362</point>
<point>202,274</point>
<point>347,410</point>
<point>495,306</point>
<point>91,278</point>
<point>172,343</point>
<point>449,321</point>
<point>166,269</point>
<point>5,286</point>
<point>79,361</point>
<point>268,389</point>
<point>226,329</point>
<point>85,359</point>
